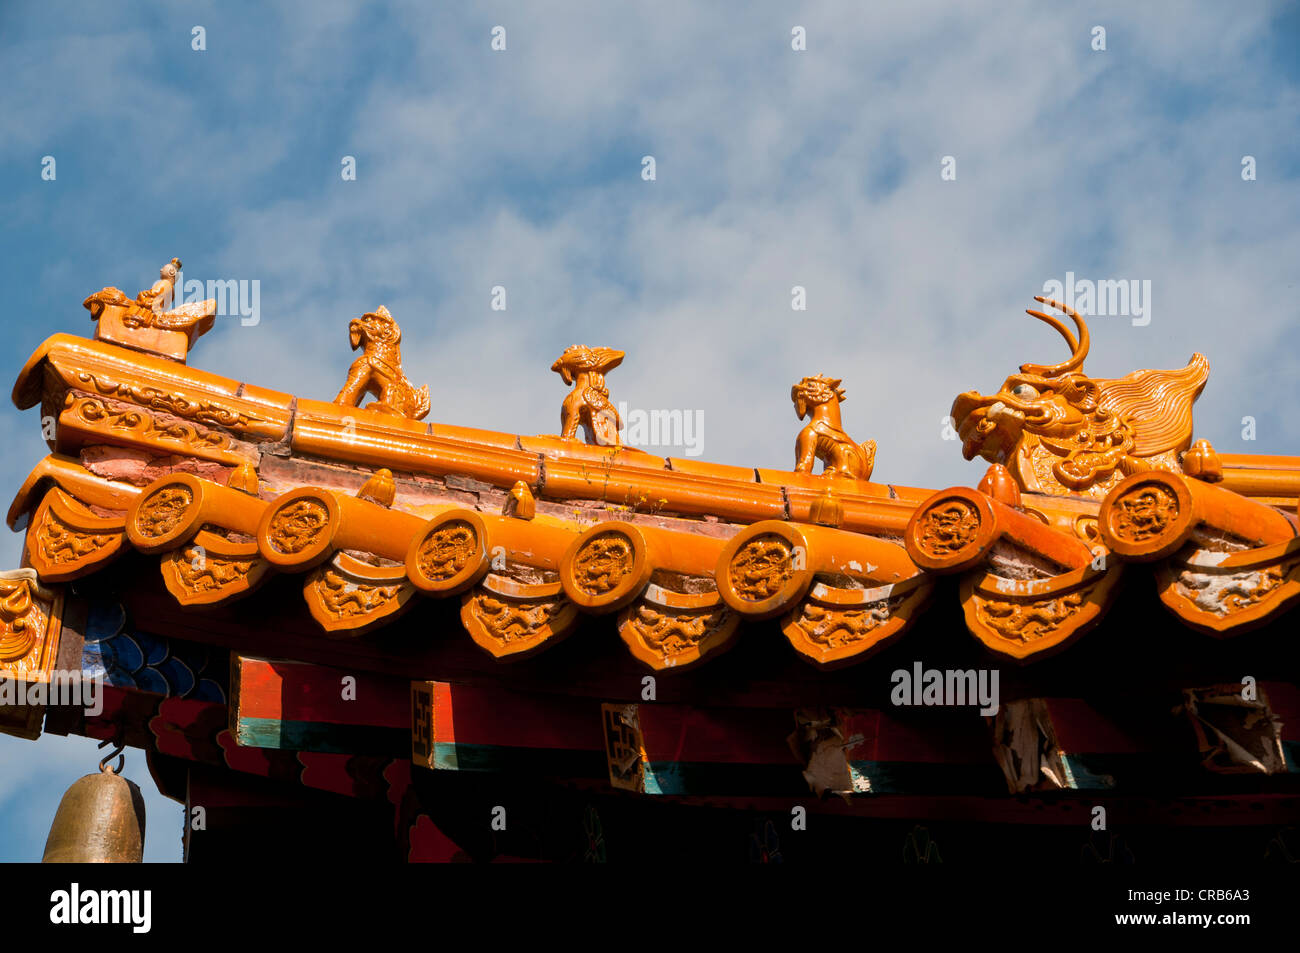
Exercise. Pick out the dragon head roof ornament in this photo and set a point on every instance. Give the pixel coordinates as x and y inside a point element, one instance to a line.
<point>1060,431</point>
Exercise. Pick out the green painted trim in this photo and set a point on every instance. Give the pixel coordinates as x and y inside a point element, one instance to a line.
<point>546,762</point>
<point>321,736</point>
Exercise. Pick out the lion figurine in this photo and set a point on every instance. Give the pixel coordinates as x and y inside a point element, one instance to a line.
<point>378,370</point>
<point>824,437</point>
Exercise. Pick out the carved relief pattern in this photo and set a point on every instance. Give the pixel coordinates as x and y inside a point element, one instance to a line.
<point>60,544</point>
<point>138,423</point>
<point>1086,528</point>
<point>837,627</point>
<point>1144,512</point>
<point>1225,592</point>
<point>28,627</point>
<point>204,411</point>
<point>1054,475</point>
<point>346,598</point>
<point>297,525</point>
<point>446,551</point>
<point>163,511</point>
<point>948,527</point>
<point>508,621</point>
<point>600,565</point>
<point>1090,457</point>
<point>19,627</point>
<point>762,567</point>
<point>201,572</point>
<point>671,635</point>
<point>1029,621</point>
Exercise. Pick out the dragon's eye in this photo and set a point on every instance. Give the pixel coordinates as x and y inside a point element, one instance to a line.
<point>1024,392</point>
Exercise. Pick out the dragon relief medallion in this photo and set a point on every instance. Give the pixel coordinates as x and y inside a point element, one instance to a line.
<point>762,567</point>
<point>163,510</point>
<point>446,551</point>
<point>948,527</point>
<point>601,563</point>
<point>1143,512</point>
<point>298,525</point>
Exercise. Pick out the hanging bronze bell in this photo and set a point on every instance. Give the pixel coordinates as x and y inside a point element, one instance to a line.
<point>99,821</point>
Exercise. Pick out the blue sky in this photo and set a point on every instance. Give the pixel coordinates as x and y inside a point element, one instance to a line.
<point>775,168</point>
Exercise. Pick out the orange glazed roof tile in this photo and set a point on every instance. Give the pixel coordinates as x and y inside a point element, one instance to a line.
<point>227,483</point>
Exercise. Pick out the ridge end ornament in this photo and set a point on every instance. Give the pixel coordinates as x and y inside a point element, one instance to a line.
<point>152,321</point>
<point>29,626</point>
<point>378,370</point>
<point>824,437</point>
<point>1059,431</point>
<point>588,404</point>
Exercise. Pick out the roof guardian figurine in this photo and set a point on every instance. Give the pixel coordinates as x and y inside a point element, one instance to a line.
<point>588,405</point>
<point>150,322</point>
<point>824,438</point>
<point>378,370</point>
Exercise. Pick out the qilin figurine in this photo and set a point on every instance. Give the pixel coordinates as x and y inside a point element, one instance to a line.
<point>824,438</point>
<point>378,370</point>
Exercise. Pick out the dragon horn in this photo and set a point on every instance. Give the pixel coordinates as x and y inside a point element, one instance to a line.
<point>1078,349</point>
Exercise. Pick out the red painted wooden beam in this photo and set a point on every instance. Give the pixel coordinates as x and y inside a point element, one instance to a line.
<point>304,707</point>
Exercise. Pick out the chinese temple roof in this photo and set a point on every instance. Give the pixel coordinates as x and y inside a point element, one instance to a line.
<point>226,484</point>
